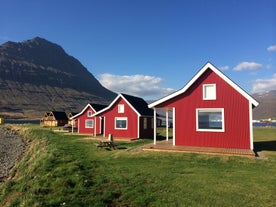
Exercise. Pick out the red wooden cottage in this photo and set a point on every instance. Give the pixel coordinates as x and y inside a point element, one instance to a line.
<point>85,122</point>
<point>126,117</point>
<point>210,111</point>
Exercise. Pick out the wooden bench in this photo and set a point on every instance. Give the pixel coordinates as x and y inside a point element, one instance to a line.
<point>107,143</point>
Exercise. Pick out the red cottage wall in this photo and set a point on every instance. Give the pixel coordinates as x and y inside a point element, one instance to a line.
<point>236,115</point>
<point>132,123</point>
<point>81,123</point>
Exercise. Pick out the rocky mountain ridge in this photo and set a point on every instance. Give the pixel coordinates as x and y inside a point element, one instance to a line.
<point>267,106</point>
<point>37,76</point>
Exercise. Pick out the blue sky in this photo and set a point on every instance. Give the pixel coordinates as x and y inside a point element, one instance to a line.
<point>150,48</point>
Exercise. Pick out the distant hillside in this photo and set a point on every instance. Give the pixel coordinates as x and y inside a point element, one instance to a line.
<point>38,76</point>
<point>267,107</point>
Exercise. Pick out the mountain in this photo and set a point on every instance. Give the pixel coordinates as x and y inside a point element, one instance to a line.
<point>267,107</point>
<point>37,76</point>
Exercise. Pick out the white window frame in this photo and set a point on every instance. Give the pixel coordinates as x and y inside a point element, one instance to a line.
<point>89,113</point>
<point>120,118</point>
<point>221,110</point>
<point>212,96</point>
<point>88,126</point>
<point>121,108</point>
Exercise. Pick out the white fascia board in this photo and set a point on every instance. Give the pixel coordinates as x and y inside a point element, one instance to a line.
<point>108,107</point>
<point>202,70</point>
<point>235,86</point>
<point>113,102</point>
<point>181,90</point>
<point>84,109</point>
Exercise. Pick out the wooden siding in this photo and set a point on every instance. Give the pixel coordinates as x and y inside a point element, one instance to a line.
<point>236,115</point>
<point>112,113</point>
<point>80,122</point>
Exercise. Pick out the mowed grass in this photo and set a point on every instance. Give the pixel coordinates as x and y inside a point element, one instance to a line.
<point>67,170</point>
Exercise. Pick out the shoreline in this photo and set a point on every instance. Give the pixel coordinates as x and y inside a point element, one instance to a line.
<point>12,147</point>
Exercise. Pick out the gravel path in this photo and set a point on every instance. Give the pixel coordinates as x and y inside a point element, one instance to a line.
<point>12,146</point>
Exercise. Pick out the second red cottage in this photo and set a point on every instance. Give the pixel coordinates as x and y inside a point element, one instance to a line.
<point>126,117</point>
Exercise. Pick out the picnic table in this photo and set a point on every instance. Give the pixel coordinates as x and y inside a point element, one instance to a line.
<point>107,143</point>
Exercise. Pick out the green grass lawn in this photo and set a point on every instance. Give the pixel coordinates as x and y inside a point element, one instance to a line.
<point>64,170</point>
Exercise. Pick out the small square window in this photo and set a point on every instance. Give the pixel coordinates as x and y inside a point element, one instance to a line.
<point>121,108</point>
<point>209,92</point>
<point>89,113</point>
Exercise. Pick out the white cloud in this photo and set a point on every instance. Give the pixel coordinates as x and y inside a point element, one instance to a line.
<point>248,66</point>
<point>226,67</point>
<point>271,48</point>
<point>261,85</point>
<point>139,85</point>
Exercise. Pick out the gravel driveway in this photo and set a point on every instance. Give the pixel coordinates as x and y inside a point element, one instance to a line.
<point>12,146</point>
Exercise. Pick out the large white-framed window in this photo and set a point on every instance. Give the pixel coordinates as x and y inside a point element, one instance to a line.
<point>121,108</point>
<point>210,120</point>
<point>209,91</point>
<point>120,122</point>
<point>89,113</point>
<point>89,123</point>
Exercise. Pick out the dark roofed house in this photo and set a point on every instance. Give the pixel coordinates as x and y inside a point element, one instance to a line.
<point>85,122</point>
<point>54,118</point>
<point>210,111</point>
<point>126,117</point>
<point>139,104</point>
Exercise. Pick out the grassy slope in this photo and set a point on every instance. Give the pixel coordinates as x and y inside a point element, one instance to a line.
<point>63,170</point>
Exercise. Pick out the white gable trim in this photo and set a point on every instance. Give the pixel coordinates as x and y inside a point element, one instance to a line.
<point>202,70</point>
<point>130,105</point>
<point>84,109</point>
<point>113,102</point>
